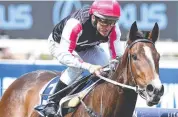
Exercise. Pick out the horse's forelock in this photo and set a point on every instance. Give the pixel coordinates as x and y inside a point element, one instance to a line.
<point>139,35</point>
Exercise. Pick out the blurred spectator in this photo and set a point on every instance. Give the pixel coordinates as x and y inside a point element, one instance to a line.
<point>5,53</point>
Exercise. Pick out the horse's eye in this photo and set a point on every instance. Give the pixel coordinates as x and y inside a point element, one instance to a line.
<point>134,56</point>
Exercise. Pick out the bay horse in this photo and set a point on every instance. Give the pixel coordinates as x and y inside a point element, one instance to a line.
<point>137,73</point>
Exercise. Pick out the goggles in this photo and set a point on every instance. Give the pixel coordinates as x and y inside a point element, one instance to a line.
<point>106,22</point>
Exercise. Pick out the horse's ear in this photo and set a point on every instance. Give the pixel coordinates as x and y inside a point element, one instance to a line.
<point>155,33</point>
<point>133,31</point>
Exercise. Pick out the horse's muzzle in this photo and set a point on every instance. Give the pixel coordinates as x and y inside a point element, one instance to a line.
<point>154,94</point>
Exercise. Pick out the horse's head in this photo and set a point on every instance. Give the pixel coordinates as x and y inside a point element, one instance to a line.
<point>143,63</point>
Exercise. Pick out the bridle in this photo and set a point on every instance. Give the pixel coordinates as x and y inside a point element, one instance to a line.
<point>140,91</point>
<point>136,88</point>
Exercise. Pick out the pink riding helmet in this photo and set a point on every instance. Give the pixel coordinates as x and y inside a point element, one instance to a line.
<point>109,9</point>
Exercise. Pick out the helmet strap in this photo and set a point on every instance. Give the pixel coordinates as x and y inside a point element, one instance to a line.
<point>94,21</point>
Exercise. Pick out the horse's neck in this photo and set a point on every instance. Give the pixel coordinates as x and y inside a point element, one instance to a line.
<point>127,99</point>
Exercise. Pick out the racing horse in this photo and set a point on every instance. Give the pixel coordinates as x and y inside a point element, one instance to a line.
<point>136,74</point>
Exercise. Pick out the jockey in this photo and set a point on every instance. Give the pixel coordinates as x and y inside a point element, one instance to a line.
<point>75,41</point>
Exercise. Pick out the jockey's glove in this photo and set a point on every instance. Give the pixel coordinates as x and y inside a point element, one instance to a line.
<point>93,69</point>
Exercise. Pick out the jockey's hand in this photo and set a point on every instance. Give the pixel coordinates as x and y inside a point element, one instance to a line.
<point>93,69</point>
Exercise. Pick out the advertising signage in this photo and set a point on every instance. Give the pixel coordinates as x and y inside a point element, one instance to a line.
<point>36,19</point>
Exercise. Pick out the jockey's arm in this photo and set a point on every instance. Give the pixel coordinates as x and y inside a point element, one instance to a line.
<point>65,50</point>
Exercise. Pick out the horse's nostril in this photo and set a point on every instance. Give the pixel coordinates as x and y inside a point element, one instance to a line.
<point>150,88</point>
<point>156,99</point>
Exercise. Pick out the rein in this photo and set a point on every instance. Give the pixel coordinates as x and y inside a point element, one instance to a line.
<point>117,83</point>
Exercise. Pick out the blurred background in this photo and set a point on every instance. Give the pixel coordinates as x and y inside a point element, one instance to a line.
<point>26,25</point>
